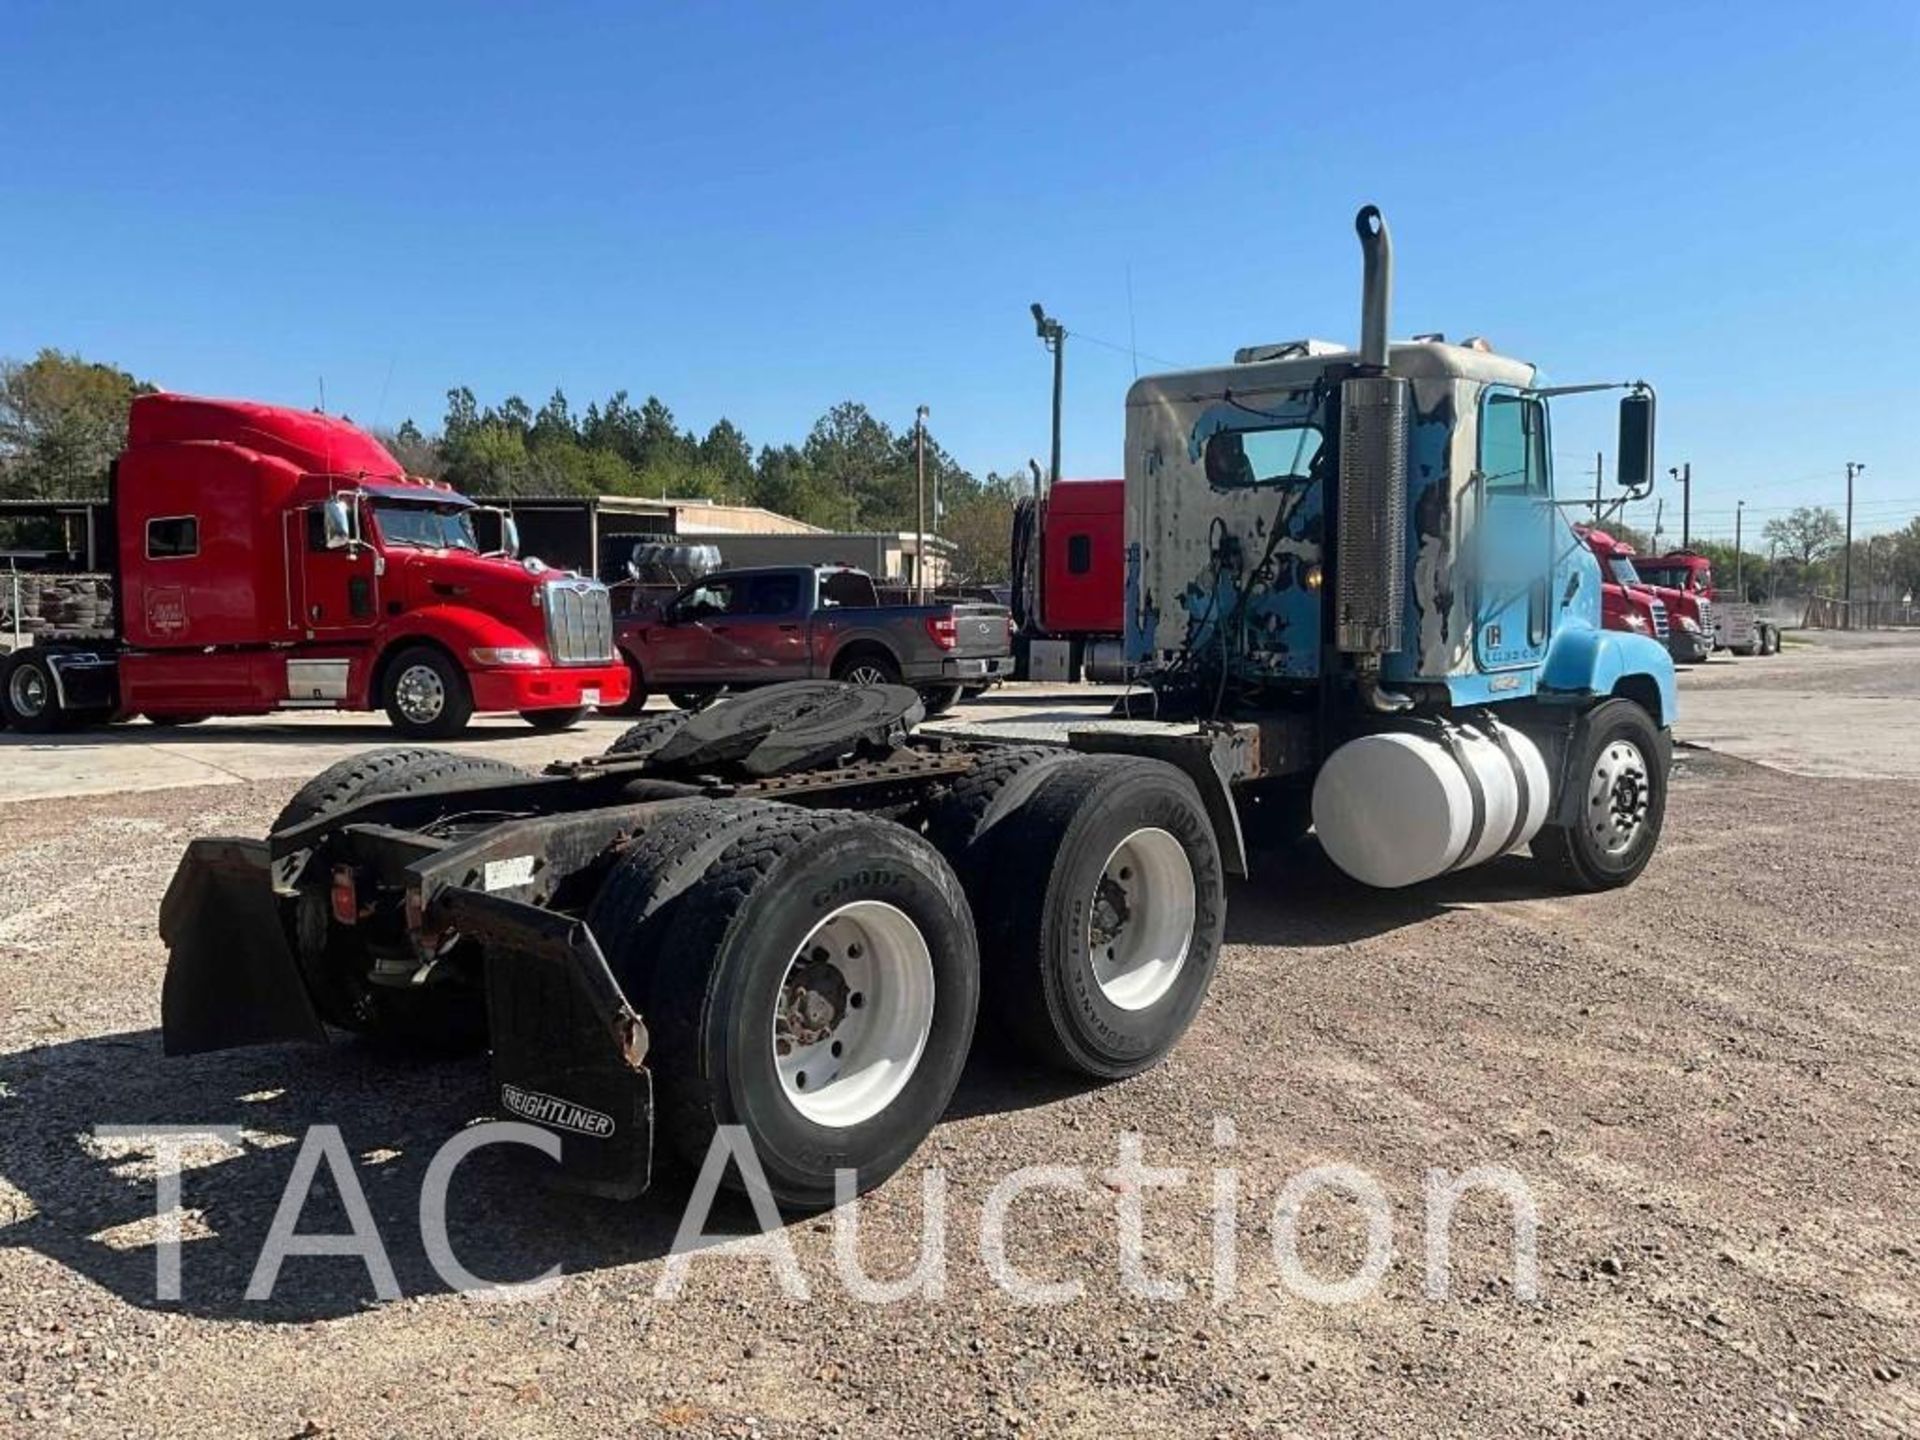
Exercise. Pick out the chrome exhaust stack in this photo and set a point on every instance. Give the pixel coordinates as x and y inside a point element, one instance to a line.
<point>1370,586</point>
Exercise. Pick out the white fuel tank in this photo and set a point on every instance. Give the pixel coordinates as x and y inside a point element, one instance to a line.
<point>1399,807</point>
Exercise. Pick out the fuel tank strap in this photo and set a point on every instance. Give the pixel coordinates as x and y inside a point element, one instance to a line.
<point>1523,799</point>
<point>1450,738</point>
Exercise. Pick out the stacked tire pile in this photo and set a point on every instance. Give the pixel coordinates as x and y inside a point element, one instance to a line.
<point>60,604</point>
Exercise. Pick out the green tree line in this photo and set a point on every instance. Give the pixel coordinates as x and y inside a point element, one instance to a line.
<point>63,419</point>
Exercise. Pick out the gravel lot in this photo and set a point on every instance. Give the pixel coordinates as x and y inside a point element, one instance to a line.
<point>1709,1083</point>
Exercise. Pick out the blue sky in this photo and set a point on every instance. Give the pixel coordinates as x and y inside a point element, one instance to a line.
<point>758,211</point>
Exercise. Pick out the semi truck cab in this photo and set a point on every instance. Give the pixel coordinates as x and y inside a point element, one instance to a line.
<point>1647,604</point>
<point>271,559</point>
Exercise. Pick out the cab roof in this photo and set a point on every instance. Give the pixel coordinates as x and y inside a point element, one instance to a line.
<point>1414,359</point>
<point>317,444</point>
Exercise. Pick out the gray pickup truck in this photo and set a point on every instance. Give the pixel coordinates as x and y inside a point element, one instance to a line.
<point>735,629</point>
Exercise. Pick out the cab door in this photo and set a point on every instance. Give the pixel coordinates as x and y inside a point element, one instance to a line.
<point>763,634</point>
<point>1513,548</point>
<point>339,589</point>
<point>680,645</point>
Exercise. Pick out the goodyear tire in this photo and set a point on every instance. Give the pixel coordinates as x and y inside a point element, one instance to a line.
<point>1100,898</point>
<point>816,986</point>
<point>446,1015</point>
<point>1617,766</point>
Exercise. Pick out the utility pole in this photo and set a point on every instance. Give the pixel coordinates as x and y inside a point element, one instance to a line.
<point>1773,570</point>
<point>1054,336</point>
<point>920,502</point>
<point>1854,467</point>
<point>1739,590</point>
<point>1599,461</point>
<point>1684,474</point>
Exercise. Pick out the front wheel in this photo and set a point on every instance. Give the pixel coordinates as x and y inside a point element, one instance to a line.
<point>550,720</point>
<point>426,695</point>
<point>1618,766</point>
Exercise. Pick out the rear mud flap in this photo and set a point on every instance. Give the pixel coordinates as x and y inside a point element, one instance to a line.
<point>231,979</point>
<point>569,1052</point>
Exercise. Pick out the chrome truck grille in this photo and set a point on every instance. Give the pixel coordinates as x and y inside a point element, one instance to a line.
<point>1370,583</point>
<point>1660,626</point>
<point>1706,616</point>
<point>579,622</point>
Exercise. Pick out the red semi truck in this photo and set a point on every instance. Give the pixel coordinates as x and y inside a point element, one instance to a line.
<point>1737,625</point>
<point>1069,566</point>
<point>271,559</point>
<point>1681,620</point>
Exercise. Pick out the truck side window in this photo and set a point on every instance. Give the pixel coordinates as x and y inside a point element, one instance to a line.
<point>1513,443</point>
<point>771,595</point>
<point>1278,455</point>
<point>1079,554</point>
<point>316,529</point>
<point>174,537</point>
<point>847,587</point>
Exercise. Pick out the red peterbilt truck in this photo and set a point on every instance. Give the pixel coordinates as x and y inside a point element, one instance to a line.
<point>271,559</point>
<point>1681,620</point>
<point>1069,569</point>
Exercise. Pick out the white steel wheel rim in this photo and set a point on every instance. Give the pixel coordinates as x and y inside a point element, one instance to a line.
<point>854,1014</point>
<point>1617,796</point>
<point>27,691</point>
<point>420,694</point>
<point>1140,928</point>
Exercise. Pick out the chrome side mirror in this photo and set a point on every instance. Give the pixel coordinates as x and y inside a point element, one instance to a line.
<point>338,522</point>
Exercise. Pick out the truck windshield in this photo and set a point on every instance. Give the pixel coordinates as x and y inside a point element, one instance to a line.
<point>1623,571</point>
<point>426,526</point>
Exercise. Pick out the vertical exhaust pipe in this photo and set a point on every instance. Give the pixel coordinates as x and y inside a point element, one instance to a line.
<point>1370,584</point>
<point>1376,286</point>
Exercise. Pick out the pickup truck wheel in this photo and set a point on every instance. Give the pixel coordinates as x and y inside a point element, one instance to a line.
<point>817,988</point>
<point>28,696</point>
<point>1618,762</point>
<point>549,720</point>
<point>1101,901</point>
<point>938,699</point>
<point>426,695</point>
<point>690,700</point>
<point>636,700</point>
<point>867,667</point>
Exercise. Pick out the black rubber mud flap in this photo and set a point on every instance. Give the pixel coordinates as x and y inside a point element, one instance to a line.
<point>231,980</point>
<point>787,726</point>
<point>569,1052</point>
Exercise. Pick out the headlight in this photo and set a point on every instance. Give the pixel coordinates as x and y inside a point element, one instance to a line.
<point>1637,623</point>
<point>1312,578</point>
<point>507,655</point>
